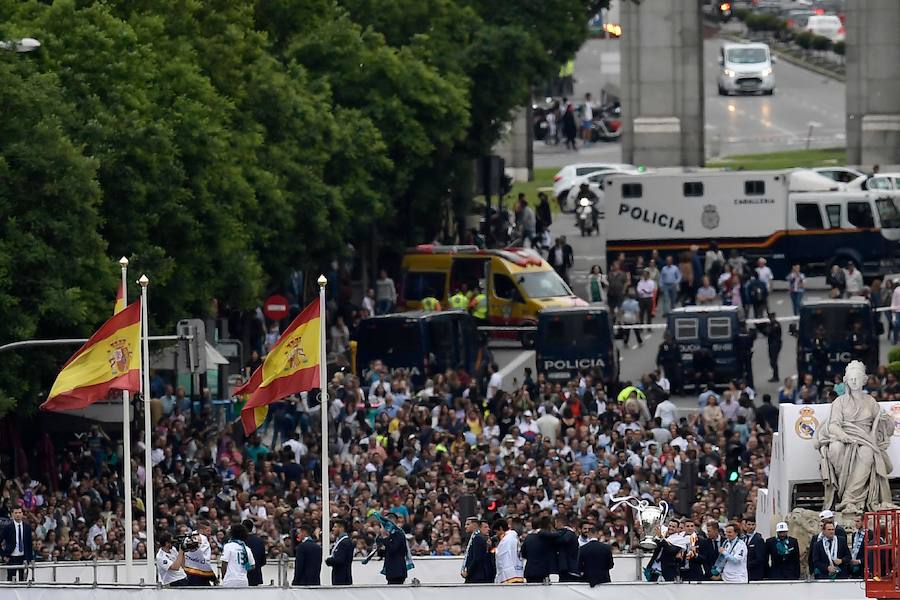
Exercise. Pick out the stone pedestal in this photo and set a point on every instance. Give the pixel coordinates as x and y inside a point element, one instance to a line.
<point>662,83</point>
<point>873,82</point>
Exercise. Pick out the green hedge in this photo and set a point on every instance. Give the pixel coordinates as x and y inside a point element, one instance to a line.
<point>894,368</point>
<point>894,355</point>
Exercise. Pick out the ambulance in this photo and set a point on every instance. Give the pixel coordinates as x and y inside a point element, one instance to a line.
<point>786,217</point>
<point>518,284</point>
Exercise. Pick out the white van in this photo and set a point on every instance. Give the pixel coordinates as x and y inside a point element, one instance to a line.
<point>746,68</point>
<point>829,26</point>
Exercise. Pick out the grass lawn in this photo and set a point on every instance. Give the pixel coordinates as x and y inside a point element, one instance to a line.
<point>543,178</point>
<point>782,160</point>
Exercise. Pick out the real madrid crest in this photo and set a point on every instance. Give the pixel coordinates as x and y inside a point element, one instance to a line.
<point>119,357</point>
<point>895,414</point>
<point>710,217</point>
<point>806,424</point>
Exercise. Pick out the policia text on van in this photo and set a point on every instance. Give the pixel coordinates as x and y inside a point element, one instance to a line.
<point>786,217</point>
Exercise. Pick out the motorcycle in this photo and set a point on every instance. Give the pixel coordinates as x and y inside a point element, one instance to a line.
<point>585,216</point>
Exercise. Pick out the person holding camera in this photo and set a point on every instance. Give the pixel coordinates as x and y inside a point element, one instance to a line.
<point>170,562</point>
<point>197,555</point>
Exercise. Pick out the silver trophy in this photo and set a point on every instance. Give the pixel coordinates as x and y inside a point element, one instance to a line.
<point>651,518</point>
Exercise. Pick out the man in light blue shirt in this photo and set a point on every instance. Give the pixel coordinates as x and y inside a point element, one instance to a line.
<point>587,458</point>
<point>669,280</point>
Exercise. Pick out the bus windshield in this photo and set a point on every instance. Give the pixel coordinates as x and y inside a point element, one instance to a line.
<point>834,323</point>
<point>566,331</point>
<point>543,284</point>
<point>888,213</point>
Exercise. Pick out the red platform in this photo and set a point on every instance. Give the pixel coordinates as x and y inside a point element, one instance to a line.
<point>882,554</point>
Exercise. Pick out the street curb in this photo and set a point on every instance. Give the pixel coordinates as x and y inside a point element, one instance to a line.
<point>792,59</point>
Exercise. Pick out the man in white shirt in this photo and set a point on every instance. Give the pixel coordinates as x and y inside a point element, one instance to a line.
<point>667,412</point>
<point>170,563</point>
<point>296,446</point>
<point>495,382</point>
<point>528,425</point>
<point>764,273</point>
<point>197,563</point>
<point>732,562</point>
<point>98,528</point>
<point>255,511</point>
<point>646,291</point>
<point>853,280</point>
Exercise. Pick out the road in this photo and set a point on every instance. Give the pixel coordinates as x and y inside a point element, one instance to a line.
<point>638,360</point>
<point>734,125</point>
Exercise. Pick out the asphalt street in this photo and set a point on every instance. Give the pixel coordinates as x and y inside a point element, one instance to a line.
<point>735,124</point>
<point>638,360</point>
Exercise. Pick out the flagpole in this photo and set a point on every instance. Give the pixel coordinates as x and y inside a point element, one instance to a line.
<point>126,446</point>
<point>148,436</point>
<point>323,409</point>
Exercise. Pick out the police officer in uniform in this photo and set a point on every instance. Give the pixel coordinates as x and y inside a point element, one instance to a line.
<point>744,344</point>
<point>669,358</point>
<point>773,335</point>
<point>859,342</point>
<point>478,307</point>
<point>430,303</point>
<point>459,301</point>
<point>820,361</point>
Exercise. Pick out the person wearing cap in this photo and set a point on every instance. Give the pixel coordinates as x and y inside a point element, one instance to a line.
<point>783,555</point>
<point>341,559</point>
<point>756,549</point>
<point>830,555</point>
<point>476,565</point>
<point>307,557</point>
<point>825,517</point>
<point>258,549</point>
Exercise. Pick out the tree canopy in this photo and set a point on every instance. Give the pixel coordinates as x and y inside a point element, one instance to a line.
<point>221,144</point>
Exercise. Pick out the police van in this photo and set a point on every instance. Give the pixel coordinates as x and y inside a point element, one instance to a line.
<point>831,333</point>
<point>422,343</point>
<point>570,340</point>
<point>787,217</point>
<point>707,338</point>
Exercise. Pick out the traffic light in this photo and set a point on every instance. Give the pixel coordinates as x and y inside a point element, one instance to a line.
<point>724,11</point>
<point>191,345</point>
<point>732,463</point>
<point>506,183</point>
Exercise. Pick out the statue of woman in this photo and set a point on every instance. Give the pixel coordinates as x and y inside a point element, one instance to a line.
<point>853,445</point>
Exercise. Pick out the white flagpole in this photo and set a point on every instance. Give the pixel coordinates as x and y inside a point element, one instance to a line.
<point>126,446</point>
<point>323,408</point>
<point>148,435</point>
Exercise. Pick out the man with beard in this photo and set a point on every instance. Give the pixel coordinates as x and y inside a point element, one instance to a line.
<point>783,553</point>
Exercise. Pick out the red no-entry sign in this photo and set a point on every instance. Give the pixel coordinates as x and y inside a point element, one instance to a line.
<point>276,307</point>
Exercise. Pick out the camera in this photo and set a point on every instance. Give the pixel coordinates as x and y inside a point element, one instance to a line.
<point>188,542</point>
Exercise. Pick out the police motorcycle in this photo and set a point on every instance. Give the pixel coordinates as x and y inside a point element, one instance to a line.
<point>586,213</point>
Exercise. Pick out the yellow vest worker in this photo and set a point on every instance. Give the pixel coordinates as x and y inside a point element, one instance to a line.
<point>430,304</point>
<point>479,306</point>
<point>459,301</point>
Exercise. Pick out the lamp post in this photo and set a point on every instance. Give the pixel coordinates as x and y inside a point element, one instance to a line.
<point>21,46</point>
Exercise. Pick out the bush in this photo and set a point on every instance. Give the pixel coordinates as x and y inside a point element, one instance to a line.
<point>820,42</point>
<point>894,355</point>
<point>894,368</point>
<point>804,40</point>
<point>741,14</point>
<point>840,48</point>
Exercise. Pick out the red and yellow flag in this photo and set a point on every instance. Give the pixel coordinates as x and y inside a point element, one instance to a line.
<point>110,360</point>
<point>120,300</point>
<point>291,367</point>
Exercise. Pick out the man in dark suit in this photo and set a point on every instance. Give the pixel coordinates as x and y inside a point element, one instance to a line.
<point>258,549</point>
<point>393,549</point>
<point>830,555</point>
<point>477,564</point>
<point>670,556</point>
<point>307,558</point>
<point>709,548</point>
<point>595,559</point>
<point>825,517</point>
<point>341,559</point>
<point>783,554</point>
<point>539,552</point>
<point>17,549</point>
<point>756,550</point>
<point>567,548</point>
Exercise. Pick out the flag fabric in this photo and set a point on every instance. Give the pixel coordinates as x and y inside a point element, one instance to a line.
<point>292,366</point>
<point>110,360</point>
<point>120,300</point>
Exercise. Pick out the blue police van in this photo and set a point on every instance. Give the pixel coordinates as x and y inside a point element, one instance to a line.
<point>831,333</point>
<point>708,339</point>
<point>570,340</point>
<point>422,343</point>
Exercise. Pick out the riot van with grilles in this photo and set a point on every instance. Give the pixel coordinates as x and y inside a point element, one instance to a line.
<point>572,340</point>
<point>786,217</point>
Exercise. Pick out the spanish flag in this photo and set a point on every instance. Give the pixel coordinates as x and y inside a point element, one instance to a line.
<point>292,366</point>
<point>120,300</point>
<point>110,360</point>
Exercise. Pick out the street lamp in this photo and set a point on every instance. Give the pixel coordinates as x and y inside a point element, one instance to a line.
<point>23,45</point>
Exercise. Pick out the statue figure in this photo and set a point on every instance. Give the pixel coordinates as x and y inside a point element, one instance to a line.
<point>853,445</point>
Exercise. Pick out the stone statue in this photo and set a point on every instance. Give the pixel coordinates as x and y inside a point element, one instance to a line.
<point>853,445</point>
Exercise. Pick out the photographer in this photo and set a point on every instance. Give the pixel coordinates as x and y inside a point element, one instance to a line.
<point>170,562</point>
<point>197,554</point>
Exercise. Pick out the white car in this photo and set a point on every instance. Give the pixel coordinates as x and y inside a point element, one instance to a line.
<point>746,68</point>
<point>840,174</point>
<point>565,178</point>
<point>879,181</point>
<point>829,26</point>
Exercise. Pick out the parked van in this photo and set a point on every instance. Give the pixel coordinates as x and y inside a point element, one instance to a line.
<point>422,343</point>
<point>570,340</point>
<point>829,26</point>
<point>517,281</point>
<point>746,68</point>
<point>708,334</point>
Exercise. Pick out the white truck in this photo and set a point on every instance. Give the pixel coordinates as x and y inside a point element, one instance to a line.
<point>787,217</point>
